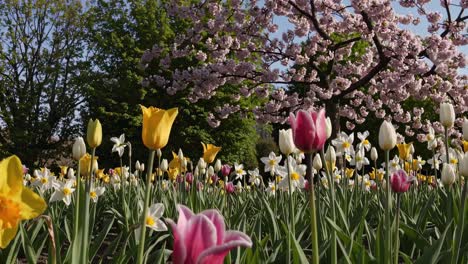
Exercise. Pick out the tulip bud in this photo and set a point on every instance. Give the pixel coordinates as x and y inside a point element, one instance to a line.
<point>329,127</point>
<point>27,177</point>
<point>137,165</point>
<point>373,154</point>
<point>286,142</point>
<point>189,177</point>
<point>330,157</point>
<point>225,170</point>
<point>142,167</point>
<point>387,136</point>
<point>71,173</point>
<point>164,165</point>
<point>448,175</point>
<point>180,155</point>
<point>447,115</point>
<point>465,129</point>
<point>411,150</point>
<point>217,166</point>
<point>94,133</point>
<point>211,171</point>
<point>317,163</point>
<point>400,182</point>
<point>79,148</point>
<point>159,153</point>
<point>201,164</point>
<point>464,165</point>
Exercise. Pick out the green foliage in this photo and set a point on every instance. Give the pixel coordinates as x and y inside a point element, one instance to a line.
<point>119,32</point>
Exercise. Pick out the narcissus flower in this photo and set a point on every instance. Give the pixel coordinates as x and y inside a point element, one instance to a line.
<point>16,202</point>
<point>153,220</point>
<point>202,238</point>
<point>209,152</point>
<point>63,192</point>
<point>119,144</point>
<point>157,124</point>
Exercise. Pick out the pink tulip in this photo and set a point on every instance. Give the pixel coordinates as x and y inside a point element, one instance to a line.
<point>225,170</point>
<point>189,177</point>
<point>400,181</point>
<point>309,130</point>
<point>230,187</point>
<point>202,238</point>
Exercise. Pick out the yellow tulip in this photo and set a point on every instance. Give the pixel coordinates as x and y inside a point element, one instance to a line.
<point>94,133</point>
<point>465,145</point>
<point>157,124</point>
<point>16,202</point>
<point>85,164</point>
<point>404,150</point>
<point>349,173</point>
<point>173,173</point>
<point>209,152</point>
<point>175,162</point>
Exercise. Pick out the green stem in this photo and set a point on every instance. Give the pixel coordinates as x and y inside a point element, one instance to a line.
<point>76,243</point>
<point>331,184</point>
<point>85,241</point>
<point>461,224</point>
<point>291,211</point>
<point>397,238</point>
<point>388,224</point>
<point>141,245</point>
<point>313,218</point>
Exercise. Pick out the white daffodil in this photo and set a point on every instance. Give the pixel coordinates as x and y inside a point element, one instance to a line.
<point>44,180</point>
<point>344,143</point>
<point>271,162</point>
<point>63,192</point>
<point>434,162</point>
<point>119,144</point>
<point>359,159</point>
<point>296,175</point>
<point>299,155</point>
<point>418,163</point>
<point>453,157</point>
<point>430,139</point>
<point>364,141</point>
<point>366,183</point>
<point>394,164</point>
<point>271,190</point>
<point>239,171</point>
<point>324,181</point>
<point>255,177</point>
<point>115,181</point>
<point>153,221</point>
<point>95,192</point>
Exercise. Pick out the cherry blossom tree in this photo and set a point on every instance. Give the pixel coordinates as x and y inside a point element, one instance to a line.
<point>352,57</point>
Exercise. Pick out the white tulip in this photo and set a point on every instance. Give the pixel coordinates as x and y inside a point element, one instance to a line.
<point>465,129</point>
<point>463,161</point>
<point>373,154</point>
<point>447,115</point>
<point>164,165</point>
<point>448,175</point>
<point>286,142</point>
<point>317,163</point>
<point>79,148</point>
<point>218,165</point>
<point>387,136</point>
<point>329,127</point>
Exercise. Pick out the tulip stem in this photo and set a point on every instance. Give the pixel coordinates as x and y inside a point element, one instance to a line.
<point>331,188</point>
<point>85,241</point>
<point>461,224</point>
<point>388,224</point>
<point>447,158</point>
<point>76,242</point>
<point>397,239</point>
<point>313,221</point>
<point>291,206</point>
<point>141,245</point>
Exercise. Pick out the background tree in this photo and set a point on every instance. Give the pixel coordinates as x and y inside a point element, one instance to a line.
<point>119,33</point>
<point>352,57</point>
<point>41,58</point>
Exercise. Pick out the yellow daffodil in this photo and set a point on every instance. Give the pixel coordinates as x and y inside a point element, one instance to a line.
<point>157,124</point>
<point>349,172</point>
<point>175,162</point>
<point>100,174</point>
<point>94,133</point>
<point>85,164</point>
<point>63,170</point>
<point>16,202</point>
<point>209,152</point>
<point>173,172</point>
<point>407,166</point>
<point>404,150</point>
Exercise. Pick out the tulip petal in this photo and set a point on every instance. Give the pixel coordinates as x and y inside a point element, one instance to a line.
<point>218,221</point>
<point>217,254</point>
<point>184,216</point>
<point>304,131</point>
<point>200,233</point>
<point>11,176</point>
<point>180,250</point>
<point>321,130</point>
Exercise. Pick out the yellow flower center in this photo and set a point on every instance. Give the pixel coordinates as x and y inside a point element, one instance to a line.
<point>240,171</point>
<point>295,176</point>
<point>150,221</point>
<point>66,191</point>
<point>358,158</point>
<point>365,142</point>
<point>367,183</point>
<point>272,162</point>
<point>429,137</point>
<point>9,213</point>
<point>453,161</point>
<point>394,164</point>
<point>278,179</point>
<point>273,188</point>
<point>346,145</point>
<point>349,172</point>
<point>92,194</point>
<point>44,180</point>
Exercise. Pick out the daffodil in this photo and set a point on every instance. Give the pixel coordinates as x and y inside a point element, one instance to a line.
<point>95,192</point>
<point>153,220</point>
<point>255,177</point>
<point>364,141</point>
<point>119,144</point>
<point>16,201</point>
<point>209,152</point>
<point>44,180</point>
<point>359,159</point>
<point>239,171</point>
<point>296,174</point>
<point>271,162</point>
<point>344,143</point>
<point>157,124</point>
<point>63,192</point>
<point>434,162</point>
